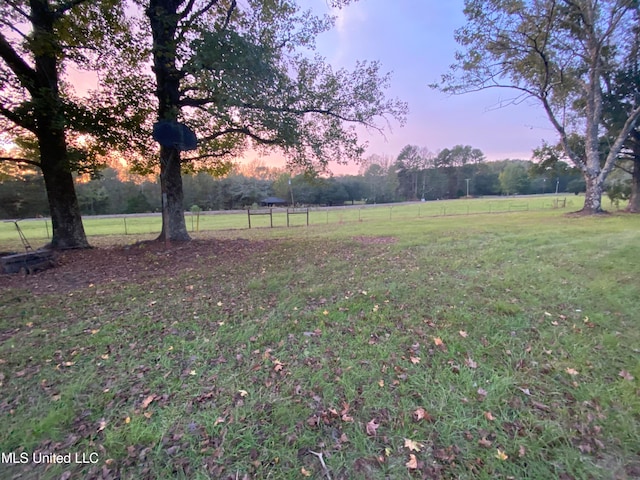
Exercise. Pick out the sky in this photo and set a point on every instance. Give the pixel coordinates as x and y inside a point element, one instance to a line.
<point>414,39</point>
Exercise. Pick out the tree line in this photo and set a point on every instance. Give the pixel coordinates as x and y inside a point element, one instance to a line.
<point>415,174</point>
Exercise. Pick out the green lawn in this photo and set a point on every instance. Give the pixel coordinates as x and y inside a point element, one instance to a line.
<point>137,227</point>
<point>398,346</point>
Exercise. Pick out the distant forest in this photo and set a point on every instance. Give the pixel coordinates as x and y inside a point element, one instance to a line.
<point>380,181</point>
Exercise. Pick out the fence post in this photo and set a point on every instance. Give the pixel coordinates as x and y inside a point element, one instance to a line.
<point>124,220</point>
<point>271,216</point>
<point>46,225</point>
<point>249,216</point>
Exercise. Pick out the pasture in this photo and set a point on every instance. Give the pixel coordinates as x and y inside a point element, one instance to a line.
<point>144,226</point>
<point>398,345</point>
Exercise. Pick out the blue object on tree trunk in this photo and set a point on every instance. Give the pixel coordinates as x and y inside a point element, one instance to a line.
<point>170,133</point>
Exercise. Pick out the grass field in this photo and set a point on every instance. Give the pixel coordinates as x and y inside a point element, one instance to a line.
<point>38,231</point>
<point>472,346</point>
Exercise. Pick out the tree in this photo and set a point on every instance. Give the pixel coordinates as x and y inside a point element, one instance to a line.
<point>622,95</point>
<point>452,161</point>
<point>233,73</point>
<point>410,166</point>
<point>514,179</point>
<point>39,39</point>
<point>559,52</point>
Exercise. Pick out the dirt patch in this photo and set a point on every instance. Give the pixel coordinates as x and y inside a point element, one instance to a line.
<point>77,269</point>
<point>375,240</point>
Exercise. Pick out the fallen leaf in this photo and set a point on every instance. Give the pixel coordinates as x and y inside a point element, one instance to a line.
<point>572,371</point>
<point>305,472</point>
<point>437,341</point>
<point>412,464</point>
<point>482,393</point>
<point>147,401</point>
<point>412,445</point>
<point>463,334</point>
<point>381,383</point>
<point>522,451</point>
<point>243,393</point>
<point>500,455</point>
<point>372,427</point>
<point>483,442</point>
<point>147,414</point>
<point>127,420</point>
<point>414,360</point>
<point>470,363</point>
<point>489,416</point>
<point>540,406</point>
<point>626,375</point>
<point>102,424</point>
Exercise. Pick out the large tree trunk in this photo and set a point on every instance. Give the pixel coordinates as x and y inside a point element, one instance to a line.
<point>164,19</point>
<point>174,227</point>
<point>68,231</point>
<point>593,195</point>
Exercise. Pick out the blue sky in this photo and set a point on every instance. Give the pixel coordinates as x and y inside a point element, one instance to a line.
<point>414,39</point>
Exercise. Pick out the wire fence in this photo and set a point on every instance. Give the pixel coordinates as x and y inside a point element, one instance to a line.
<point>144,224</point>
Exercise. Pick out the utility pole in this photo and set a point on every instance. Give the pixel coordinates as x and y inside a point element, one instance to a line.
<point>293,204</point>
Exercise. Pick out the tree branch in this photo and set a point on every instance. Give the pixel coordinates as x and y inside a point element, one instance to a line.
<point>18,9</point>
<point>629,125</point>
<point>66,6</point>
<point>244,131</point>
<point>20,121</point>
<point>21,161</point>
<point>18,66</point>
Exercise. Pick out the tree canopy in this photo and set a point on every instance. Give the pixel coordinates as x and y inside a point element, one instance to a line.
<point>561,53</point>
<point>51,127</point>
<point>242,76</point>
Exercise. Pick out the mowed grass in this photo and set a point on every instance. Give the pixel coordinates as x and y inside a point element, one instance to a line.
<point>481,346</point>
<point>138,227</point>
